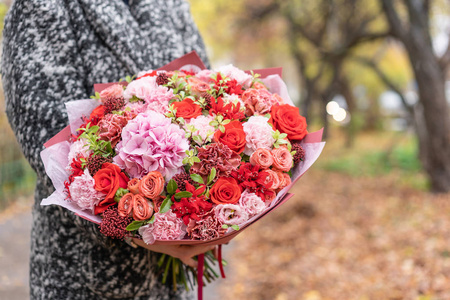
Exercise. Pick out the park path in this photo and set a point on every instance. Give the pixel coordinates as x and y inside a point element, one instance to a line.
<point>15,227</point>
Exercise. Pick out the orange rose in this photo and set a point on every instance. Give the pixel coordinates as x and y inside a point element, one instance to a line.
<point>142,210</point>
<point>287,119</point>
<point>282,159</point>
<point>233,137</point>
<point>225,191</point>
<point>152,185</point>
<point>187,109</point>
<point>262,158</point>
<point>125,205</point>
<point>133,185</point>
<point>108,180</point>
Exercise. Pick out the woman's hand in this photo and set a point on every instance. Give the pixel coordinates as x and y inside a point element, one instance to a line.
<point>184,252</point>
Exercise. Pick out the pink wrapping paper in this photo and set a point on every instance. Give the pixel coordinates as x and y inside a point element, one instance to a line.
<point>57,149</point>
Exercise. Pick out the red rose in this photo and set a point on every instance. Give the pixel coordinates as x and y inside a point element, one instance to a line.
<point>187,109</point>
<point>287,119</point>
<point>108,180</point>
<point>233,137</point>
<point>225,191</point>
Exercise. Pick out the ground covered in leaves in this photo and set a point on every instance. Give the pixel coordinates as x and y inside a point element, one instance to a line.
<point>345,237</point>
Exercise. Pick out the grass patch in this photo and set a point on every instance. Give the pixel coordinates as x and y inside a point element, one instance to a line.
<point>376,155</point>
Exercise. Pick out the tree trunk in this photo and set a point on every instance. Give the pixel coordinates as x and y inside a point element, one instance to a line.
<point>435,145</point>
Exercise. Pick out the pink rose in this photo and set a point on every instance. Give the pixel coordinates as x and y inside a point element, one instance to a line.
<point>282,159</point>
<point>112,92</point>
<point>285,180</point>
<point>125,206</point>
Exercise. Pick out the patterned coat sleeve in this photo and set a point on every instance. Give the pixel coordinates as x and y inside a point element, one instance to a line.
<point>40,73</point>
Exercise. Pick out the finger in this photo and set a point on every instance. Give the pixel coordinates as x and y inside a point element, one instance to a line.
<point>190,262</point>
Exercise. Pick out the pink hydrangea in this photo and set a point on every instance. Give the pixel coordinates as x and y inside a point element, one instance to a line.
<point>203,129</point>
<point>251,203</point>
<point>141,88</point>
<point>258,134</point>
<point>240,76</point>
<point>150,142</point>
<point>159,99</point>
<point>83,193</point>
<point>136,107</point>
<point>230,214</point>
<point>79,147</point>
<point>165,227</point>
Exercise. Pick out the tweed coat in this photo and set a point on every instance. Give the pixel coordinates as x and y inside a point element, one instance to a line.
<point>53,52</point>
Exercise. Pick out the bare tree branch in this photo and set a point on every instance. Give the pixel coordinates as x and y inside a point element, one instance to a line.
<point>385,79</point>
<point>396,25</point>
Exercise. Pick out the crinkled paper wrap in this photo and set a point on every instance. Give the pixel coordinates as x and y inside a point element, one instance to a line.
<point>55,156</point>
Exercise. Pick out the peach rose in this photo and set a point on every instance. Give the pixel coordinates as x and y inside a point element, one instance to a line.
<point>152,185</point>
<point>142,209</point>
<point>285,179</point>
<point>126,205</point>
<point>272,177</point>
<point>133,185</point>
<point>259,86</point>
<point>198,87</point>
<point>282,159</point>
<point>262,158</point>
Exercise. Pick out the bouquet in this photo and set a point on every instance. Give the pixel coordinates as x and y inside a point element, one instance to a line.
<point>181,155</point>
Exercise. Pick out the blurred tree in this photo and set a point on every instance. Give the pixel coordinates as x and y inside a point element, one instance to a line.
<point>409,22</point>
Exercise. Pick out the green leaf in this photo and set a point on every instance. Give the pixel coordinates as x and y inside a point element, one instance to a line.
<point>235,227</point>
<point>222,128</point>
<point>212,176</point>
<point>183,194</point>
<point>165,206</point>
<point>172,186</point>
<point>214,123</point>
<point>152,220</point>
<point>225,226</point>
<point>195,159</point>
<point>197,178</point>
<point>135,225</point>
<point>120,193</point>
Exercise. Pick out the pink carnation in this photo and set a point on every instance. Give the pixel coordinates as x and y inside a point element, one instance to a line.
<point>136,107</point>
<point>165,227</point>
<point>230,214</point>
<point>251,203</point>
<point>141,88</point>
<point>83,193</point>
<point>240,76</point>
<point>150,142</point>
<point>258,134</point>
<point>203,129</point>
<point>79,147</point>
<point>159,99</point>
<point>258,101</point>
<point>110,128</point>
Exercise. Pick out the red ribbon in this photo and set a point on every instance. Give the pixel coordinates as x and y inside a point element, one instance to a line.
<point>201,261</point>
<point>222,272</point>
